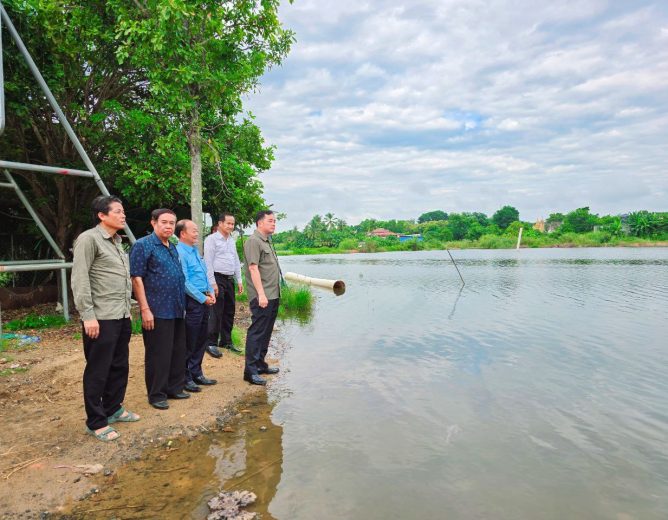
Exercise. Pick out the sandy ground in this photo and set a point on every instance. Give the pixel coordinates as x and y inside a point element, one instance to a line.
<point>42,437</point>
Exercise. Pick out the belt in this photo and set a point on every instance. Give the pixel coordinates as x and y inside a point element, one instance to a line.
<point>230,276</point>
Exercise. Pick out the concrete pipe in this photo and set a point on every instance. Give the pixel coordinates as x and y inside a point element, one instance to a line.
<point>335,285</point>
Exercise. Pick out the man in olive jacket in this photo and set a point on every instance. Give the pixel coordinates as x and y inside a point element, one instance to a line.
<point>263,282</point>
<point>101,288</point>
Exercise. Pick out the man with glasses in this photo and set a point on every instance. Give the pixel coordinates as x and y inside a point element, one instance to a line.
<point>101,288</point>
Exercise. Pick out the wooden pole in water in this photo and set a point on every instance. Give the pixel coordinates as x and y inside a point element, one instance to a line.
<point>519,238</point>
<point>455,264</point>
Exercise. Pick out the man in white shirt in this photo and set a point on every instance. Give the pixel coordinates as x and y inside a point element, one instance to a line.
<point>223,270</point>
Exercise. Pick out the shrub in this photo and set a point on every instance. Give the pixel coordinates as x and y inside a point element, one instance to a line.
<point>33,321</point>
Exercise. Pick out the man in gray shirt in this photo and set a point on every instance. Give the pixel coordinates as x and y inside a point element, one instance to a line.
<point>264,291</point>
<point>101,288</point>
<point>223,270</point>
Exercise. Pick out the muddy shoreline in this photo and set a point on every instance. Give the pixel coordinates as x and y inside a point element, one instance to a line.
<point>44,451</point>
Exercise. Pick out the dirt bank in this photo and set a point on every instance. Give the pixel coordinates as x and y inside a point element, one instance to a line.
<point>43,440</point>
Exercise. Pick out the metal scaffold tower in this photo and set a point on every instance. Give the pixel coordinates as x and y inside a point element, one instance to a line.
<point>60,263</point>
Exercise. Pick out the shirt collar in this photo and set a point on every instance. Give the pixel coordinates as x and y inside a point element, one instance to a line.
<point>105,234</point>
<point>260,235</point>
<point>187,247</point>
<point>157,241</point>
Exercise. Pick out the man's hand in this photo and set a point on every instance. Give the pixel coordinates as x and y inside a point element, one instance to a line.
<point>210,299</point>
<point>262,301</point>
<point>215,289</point>
<point>92,328</point>
<point>241,287</point>
<point>147,319</point>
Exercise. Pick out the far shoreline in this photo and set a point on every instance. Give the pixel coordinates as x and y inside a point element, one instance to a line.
<point>455,246</point>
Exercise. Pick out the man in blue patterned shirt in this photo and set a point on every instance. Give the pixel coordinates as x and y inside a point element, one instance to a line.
<point>159,287</point>
<point>199,298</point>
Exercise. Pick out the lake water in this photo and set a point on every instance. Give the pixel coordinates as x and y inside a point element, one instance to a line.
<point>539,390</point>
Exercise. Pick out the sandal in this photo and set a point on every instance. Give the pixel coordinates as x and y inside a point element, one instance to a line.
<point>119,417</point>
<point>104,435</point>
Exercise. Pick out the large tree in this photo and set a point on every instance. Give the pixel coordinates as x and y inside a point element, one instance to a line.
<point>505,216</point>
<point>142,142</point>
<point>579,221</point>
<point>431,216</point>
<point>74,46</point>
<point>199,58</point>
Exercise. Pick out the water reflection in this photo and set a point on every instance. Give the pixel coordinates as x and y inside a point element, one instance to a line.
<point>177,479</point>
<point>535,391</point>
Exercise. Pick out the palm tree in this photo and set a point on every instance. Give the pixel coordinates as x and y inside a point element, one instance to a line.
<point>329,221</point>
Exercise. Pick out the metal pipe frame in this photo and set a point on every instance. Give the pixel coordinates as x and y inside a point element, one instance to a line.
<point>4,17</point>
<point>34,215</point>
<point>2,86</point>
<point>45,169</point>
<point>35,267</point>
<point>60,263</point>
<point>26,262</point>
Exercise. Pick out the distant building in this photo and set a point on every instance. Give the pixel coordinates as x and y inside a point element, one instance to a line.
<point>383,233</point>
<point>539,225</point>
<point>551,227</point>
<point>405,238</point>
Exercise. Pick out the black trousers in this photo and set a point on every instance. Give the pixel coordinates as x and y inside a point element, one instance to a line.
<point>221,320</point>
<point>164,358</point>
<point>197,321</point>
<point>259,334</point>
<point>105,377</point>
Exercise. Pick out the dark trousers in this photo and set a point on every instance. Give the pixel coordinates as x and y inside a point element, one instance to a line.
<point>259,334</point>
<point>197,321</point>
<point>105,377</point>
<point>222,313</point>
<point>164,359</point>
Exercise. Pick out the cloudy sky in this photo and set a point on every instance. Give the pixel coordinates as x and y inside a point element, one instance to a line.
<point>388,109</point>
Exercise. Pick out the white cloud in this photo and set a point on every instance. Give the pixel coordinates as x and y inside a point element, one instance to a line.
<point>389,109</point>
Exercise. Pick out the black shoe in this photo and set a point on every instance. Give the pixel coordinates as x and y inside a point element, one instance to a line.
<point>254,379</point>
<point>203,380</point>
<point>192,387</point>
<point>213,351</point>
<point>269,370</point>
<point>160,405</point>
<point>234,349</point>
<point>180,395</point>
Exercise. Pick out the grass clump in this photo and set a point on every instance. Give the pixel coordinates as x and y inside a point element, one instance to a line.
<point>9,345</point>
<point>135,324</point>
<point>296,303</point>
<point>11,371</point>
<point>33,321</point>
<point>239,339</point>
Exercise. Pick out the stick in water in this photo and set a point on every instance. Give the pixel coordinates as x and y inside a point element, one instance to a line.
<point>453,263</point>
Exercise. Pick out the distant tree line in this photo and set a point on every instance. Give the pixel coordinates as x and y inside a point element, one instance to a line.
<point>438,229</point>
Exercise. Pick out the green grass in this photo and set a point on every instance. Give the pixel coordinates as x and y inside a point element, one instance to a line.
<point>11,371</point>
<point>239,339</point>
<point>33,321</point>
<point>136,325</point>
<point>296,303</point>
<point>530,239</point>
<point>5,346</point>
<point>8,344</point>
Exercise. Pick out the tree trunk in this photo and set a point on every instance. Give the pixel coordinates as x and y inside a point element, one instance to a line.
<point>195,146</point>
